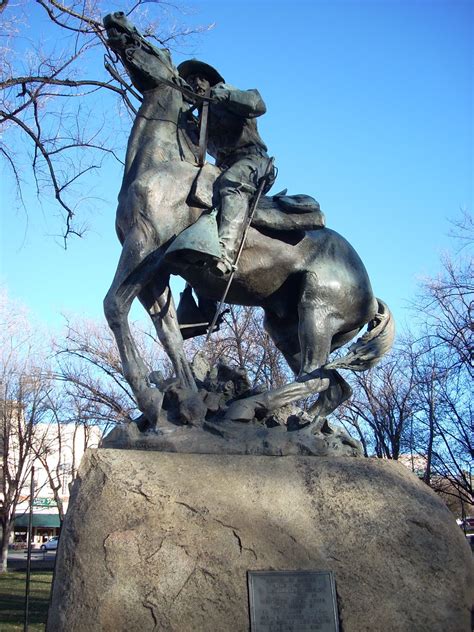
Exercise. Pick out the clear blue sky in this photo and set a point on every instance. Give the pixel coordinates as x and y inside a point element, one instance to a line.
<point>369,109</point>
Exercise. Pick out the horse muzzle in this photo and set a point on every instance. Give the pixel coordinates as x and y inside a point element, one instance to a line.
<point>120,32</point>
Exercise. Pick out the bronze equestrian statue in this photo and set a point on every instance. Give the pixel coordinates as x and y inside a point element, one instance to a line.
<point>310,282</point>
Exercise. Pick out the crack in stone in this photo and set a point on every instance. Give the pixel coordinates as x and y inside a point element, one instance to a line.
<point>241,546</point>
<point>138,490</point>
<point>333,557</point>
<point>156,550</point>
<point>195,511</point>
<point>239,541</point>
<point>149,605</point>
<point>228,526</point>
<point>204,571</point>
<point>185,584</point>
<point>251,551</point>
<point>106,561</point>
<point>422,525</point>
<point>236,536</point>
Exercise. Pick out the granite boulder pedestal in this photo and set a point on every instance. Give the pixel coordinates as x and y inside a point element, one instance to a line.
<point>163,541</point>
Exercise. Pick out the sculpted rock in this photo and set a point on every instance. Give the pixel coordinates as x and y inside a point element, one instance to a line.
<point>219,419</point>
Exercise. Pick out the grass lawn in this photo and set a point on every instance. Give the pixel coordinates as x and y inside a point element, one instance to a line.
<point>12,600</point>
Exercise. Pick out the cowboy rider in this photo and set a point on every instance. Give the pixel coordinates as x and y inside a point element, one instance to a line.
<point>238,150</point>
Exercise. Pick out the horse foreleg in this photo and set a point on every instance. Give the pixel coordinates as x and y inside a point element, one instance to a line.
<point>130,278</point>
<point>158,301</point>
<point>148,398</point>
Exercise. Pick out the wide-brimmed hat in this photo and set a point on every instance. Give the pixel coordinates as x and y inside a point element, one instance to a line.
<point>196,67</point>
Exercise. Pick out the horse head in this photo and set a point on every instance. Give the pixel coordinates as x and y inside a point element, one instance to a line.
<point>145,63</point>
<point>120,31</point>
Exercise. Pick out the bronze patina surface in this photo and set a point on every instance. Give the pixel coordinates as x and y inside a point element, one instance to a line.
<point>312,285</point>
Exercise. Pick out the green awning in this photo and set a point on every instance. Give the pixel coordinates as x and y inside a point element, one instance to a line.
<point>39,520</point>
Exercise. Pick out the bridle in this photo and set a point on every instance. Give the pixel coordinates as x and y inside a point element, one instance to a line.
<point>141,44</point>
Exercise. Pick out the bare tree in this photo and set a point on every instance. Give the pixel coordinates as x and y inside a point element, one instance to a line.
<point>453,450</point>
<point>243,342</point>
<point>418,402</point>
<point>48,451</point>
<point>445,306</point>
<point>383,405</point>
<point>89,366</point>
<point>25,388</point>
<point>63,96</point>
<point>66,433</point>
<point>444,423</point>
<point>445,303</point>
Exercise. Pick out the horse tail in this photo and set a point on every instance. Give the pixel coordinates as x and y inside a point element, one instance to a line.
<point>369,349</point>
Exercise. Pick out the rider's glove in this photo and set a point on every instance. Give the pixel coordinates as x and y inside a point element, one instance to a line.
<point>220,93</point>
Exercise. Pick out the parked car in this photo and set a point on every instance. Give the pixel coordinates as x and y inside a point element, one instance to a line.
<point>467,524</point>
<point>470,539</point>
<point>51,544</point>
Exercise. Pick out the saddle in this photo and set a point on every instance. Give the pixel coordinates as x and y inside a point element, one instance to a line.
<point>280,212</point>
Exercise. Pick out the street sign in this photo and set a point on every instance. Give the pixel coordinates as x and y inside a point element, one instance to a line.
<point>44,502</point>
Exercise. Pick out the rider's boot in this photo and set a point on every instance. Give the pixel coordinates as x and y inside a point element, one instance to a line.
<point>233,212</point>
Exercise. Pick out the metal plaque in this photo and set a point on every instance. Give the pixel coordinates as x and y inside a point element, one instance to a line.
<point>292,601</point>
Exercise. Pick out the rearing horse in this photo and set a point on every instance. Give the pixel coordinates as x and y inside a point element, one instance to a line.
<point>312,285</point>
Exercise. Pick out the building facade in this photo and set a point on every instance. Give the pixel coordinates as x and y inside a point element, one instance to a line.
<point>59,449</point>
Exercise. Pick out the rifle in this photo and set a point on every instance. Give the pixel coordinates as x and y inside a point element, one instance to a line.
<point>204,114</point>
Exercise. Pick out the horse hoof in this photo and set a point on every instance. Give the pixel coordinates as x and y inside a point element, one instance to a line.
<point>242,410</point>
<point>143,424</point>
<point>324,384</point>
<point>150,402</point>
<point>306,376</point>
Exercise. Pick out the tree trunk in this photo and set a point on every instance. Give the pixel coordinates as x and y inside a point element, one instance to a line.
<point>429,449</point>
<point>4,548</point>
<point>60,506</point>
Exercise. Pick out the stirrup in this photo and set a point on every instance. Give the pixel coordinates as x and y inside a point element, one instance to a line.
<point>223,267</point>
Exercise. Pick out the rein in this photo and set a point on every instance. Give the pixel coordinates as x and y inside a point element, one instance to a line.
<point>149,48</point>
<point>187,92</point>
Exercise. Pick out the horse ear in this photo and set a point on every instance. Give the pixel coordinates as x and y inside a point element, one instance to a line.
<point>167,54</point>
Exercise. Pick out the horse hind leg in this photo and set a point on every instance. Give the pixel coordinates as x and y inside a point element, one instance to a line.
<point>337,393</point>
<point>339,390</point>
<point>306,341</point>
<point>304,345</point>
<point>316,326</point>
<point>284,332</point>
<point>317,342</point>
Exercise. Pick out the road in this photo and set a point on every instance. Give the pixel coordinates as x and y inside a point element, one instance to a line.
<point>39,560</point>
